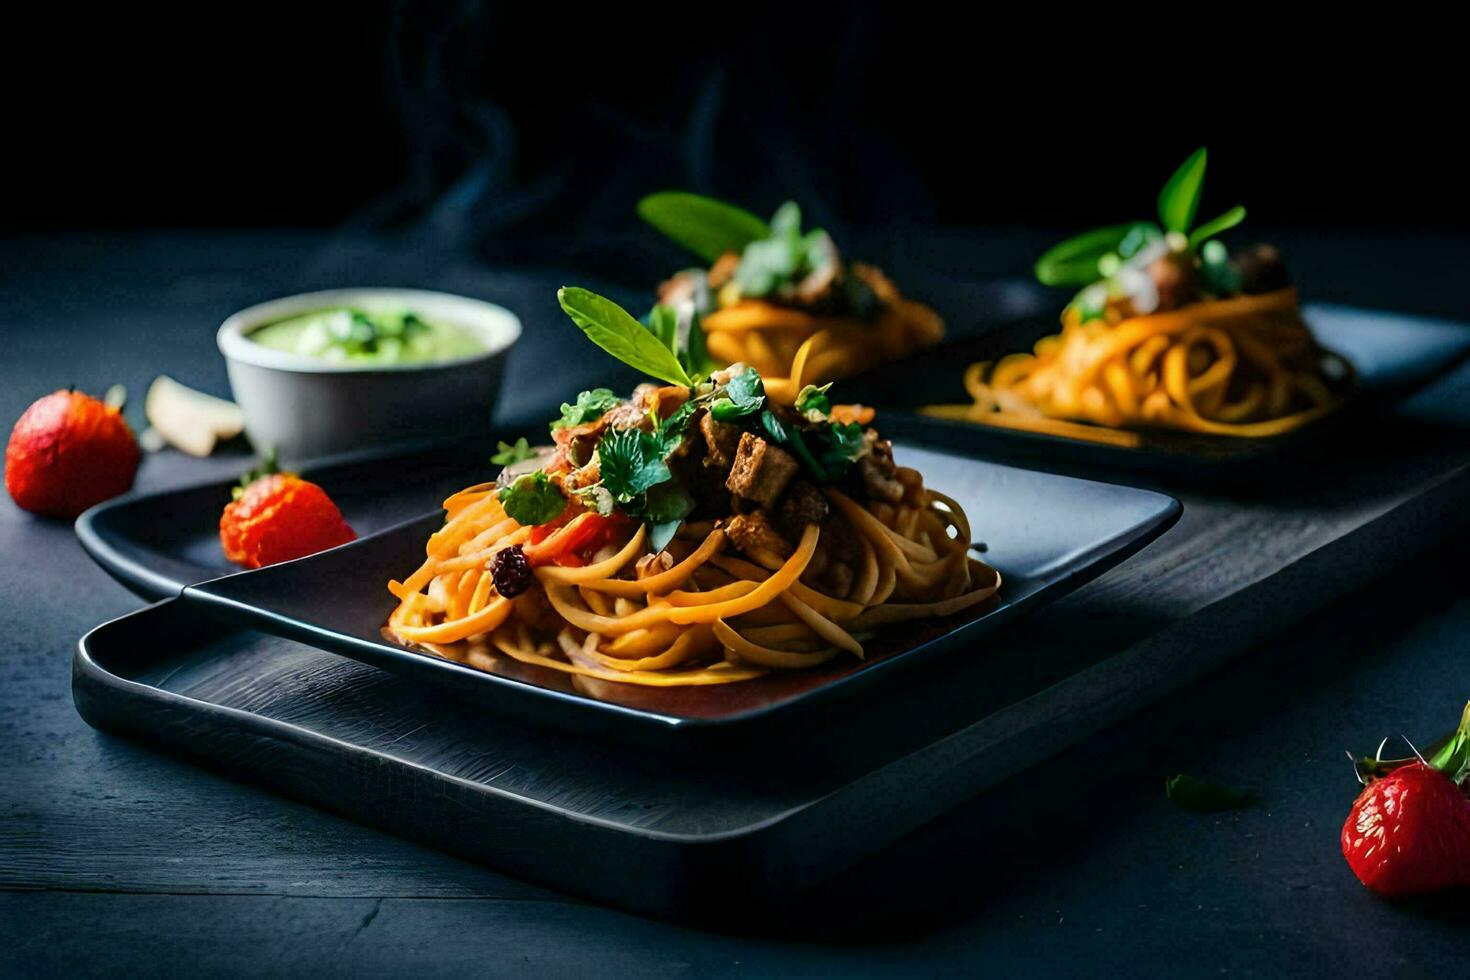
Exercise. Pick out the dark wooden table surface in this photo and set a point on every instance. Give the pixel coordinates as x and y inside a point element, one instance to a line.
<point>116,860</point>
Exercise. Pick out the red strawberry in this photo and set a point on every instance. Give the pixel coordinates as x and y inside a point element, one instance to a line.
<point>278,516</point>
<point>68,452</point>
<point>1409,831</point>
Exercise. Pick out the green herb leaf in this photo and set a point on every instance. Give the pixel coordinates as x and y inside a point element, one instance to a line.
<point>682,334</point>
<point>1202,797</point>
<point>773,426</point>
<point>590,406</point>
<point>663,323</point>
<point>1179,200</point>
<point>814,399</point>
<point>630,462</point>
<point>596,498</point>
<point>1074,261</point>
<point>785,256</point>
<point>667,501</point>
<point>1216,272</point>
<point>616,331</point>
<point>842,444</point>
<point>706,227</point>
<point>509,454</point>
<point>669,432</point>
<point>1216,226</point>
<point>659,535</point>
<point>533,499</point>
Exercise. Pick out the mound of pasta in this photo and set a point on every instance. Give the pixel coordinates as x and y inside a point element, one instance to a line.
<point>784,301</point>
<point>698,534</point>
<point>1176,332</point>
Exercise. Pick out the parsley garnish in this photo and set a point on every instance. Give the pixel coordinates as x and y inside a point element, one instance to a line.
<point>590,406</point>
<point>510,455</point>
<point>533,499</point>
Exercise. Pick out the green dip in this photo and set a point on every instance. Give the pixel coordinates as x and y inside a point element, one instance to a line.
<point>352,336</point>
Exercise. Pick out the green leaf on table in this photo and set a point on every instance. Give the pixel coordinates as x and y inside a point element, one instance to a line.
<point>618,332</point>
<point>1074,261</point>
<point>589,407</point>
<point>1205,797</point>
<point>533,499</point>
<point>705,226</point>
<point>1216,226</point>
<point>1179,200</point>
<point>510,455</point>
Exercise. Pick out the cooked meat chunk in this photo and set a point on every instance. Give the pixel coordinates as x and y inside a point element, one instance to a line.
<point>803,505</point>
<point>839,552</point>
<point>753,532</point>
<point>628,415</point>
<point>761,471</point>
<point>878,470</point>
<point>723,440</point>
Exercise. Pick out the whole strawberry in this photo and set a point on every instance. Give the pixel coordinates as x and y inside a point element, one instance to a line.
<point>1408,832</point>
<point>67,452</point>
<point>278,516</point>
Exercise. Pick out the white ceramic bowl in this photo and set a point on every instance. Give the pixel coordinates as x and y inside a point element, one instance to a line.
<point>304,406</point>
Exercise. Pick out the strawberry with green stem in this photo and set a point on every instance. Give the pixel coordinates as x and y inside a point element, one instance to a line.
<point>1408,832</point>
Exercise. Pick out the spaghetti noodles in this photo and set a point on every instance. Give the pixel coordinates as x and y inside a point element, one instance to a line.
<point>799,538</point>
<point>1171,331</point>
<point>1243,366</point>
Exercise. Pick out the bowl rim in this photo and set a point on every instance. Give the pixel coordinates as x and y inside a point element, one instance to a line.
<point>492,324</point>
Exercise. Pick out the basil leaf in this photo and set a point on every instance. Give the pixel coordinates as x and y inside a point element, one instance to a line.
<point>509,454</point>
<point>1179,200</point>
<point>1074,261</point>
<point>663,323</point>
<point>1203,797</point>
<point>590,406</point>
<point>1216,226</point>
<point>615,330</point>
<point>668,501</point>
<point>533,499</point>
<point>706,227</point>
<point>799,449</point>
<point>630,462</point>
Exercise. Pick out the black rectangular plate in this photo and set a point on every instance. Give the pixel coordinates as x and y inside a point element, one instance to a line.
<point>1046,534</point>
<point>1394,355</point>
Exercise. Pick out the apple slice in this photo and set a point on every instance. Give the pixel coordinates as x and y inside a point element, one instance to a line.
<point>190,420</point>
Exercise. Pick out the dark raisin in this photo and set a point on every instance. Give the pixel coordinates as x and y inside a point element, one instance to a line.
<point>510,571</point>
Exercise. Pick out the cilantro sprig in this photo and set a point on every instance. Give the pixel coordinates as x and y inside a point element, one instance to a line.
<point>533,499</point>
<point>589,407</point>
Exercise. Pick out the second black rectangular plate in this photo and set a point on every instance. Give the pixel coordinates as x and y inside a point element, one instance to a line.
<point>1394,355</point>
<point>1046,534</point>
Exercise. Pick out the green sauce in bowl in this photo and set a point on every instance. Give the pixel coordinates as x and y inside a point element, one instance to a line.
<point>346,335</point>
